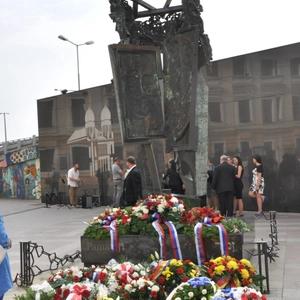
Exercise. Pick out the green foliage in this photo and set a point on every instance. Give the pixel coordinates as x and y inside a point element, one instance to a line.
<point>30,295</point>
<point>100,233</point>
<point>142,227</point>
<point>233,226</point>
<point>96,232</point>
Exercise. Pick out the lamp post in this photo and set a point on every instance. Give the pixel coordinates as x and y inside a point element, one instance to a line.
<point>77,45</point>
<point>4,114</point>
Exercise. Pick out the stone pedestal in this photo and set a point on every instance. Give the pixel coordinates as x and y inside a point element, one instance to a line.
<point>137,248</point>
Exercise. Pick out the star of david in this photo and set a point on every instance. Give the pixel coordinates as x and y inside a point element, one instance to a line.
<point>151,10</point>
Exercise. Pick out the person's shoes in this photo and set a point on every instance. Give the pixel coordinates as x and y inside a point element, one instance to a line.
<point>239,216</point>
<point>257,216</point>
<point>265,199</point>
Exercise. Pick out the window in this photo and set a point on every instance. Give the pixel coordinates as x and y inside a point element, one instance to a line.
<point>297,142</point>
<point>245,149</point>
<point>45,109</point>
<point>239,66</point>
<point>63,163</point>
<point>219,149</point>
<point>78,112</point>
<point>296,108</point>
<point>267,111</point>
<point>213,70</point>
<point>278,111</point>
<point>80,156</point>
<point>102,148</point>
<point>46,159</point>
<point>295,66</point>
<point>214,111</point>
<point>244,111</point>
<point>268,67</point>
<point>268,148</point>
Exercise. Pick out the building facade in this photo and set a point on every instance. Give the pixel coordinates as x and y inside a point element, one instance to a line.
<point>83,128</point>
<point>254,108</point>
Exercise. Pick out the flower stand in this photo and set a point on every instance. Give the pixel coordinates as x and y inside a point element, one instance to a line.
<point>139,247</point>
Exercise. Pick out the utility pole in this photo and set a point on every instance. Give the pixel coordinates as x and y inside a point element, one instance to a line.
<point>4,114</point>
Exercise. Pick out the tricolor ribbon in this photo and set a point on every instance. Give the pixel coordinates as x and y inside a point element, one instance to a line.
<point>160,268</point>
<point>114,238</point>
<point>174,240</point>
<point>162,237</point>
<point>199,241</point>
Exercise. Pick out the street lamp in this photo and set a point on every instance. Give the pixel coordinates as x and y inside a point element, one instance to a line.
<point>5,113</point>
<point>77,45</point>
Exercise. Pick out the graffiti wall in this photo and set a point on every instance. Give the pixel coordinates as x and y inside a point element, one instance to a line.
<point>21,178</point>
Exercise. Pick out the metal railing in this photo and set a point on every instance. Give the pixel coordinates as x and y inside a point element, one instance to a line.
<point>29,255</point>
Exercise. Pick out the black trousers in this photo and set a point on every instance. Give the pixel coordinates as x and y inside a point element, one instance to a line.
<point>226,203</point>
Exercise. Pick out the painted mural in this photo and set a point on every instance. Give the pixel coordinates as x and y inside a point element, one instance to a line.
<point>21,178</point>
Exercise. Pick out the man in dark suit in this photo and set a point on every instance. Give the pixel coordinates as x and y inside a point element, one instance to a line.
<point>223,184</point>
<point>132,190</point>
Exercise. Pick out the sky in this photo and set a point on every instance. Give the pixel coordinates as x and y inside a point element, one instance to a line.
<point>34,61</point>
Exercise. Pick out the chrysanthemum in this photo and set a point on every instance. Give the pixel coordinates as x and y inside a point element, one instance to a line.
<point>218,260</point>
<point>219,269</point>
<point>232,265</point>
<point>246,262</point>
<point>245,273</point>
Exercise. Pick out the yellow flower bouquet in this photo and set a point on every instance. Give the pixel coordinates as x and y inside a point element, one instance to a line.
<point>229,271</point>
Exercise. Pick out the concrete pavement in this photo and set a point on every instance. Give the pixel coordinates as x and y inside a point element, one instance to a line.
<point>59,231</point>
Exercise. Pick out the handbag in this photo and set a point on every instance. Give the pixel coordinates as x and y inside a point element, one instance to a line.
<point>2,254</point>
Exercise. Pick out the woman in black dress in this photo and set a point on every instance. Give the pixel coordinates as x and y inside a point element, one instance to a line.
<point>175,182</point>
<point>238,186</point>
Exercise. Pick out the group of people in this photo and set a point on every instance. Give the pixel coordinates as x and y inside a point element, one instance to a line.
<point>126,192</point>
<point>225,185</point>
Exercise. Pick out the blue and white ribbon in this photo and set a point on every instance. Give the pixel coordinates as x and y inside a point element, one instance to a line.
<point>114,239</point>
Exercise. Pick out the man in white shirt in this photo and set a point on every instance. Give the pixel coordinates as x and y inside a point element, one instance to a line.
<point>73,180</point>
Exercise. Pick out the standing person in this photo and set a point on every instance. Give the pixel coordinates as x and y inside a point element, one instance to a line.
<point>103,184</point>
<point>257,186</point>
<point>229,160</point>
<point>73,181</point>
<point>117,174</point>
<point>175,182</point>
<point>223,184</point>
<point>210,193</point>
<point>5,273</point>
<point>132,183</point>
<point>55,181</point>
<point>238,187</point>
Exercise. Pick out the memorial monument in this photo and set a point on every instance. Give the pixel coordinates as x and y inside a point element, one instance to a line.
<point>169,101</point>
